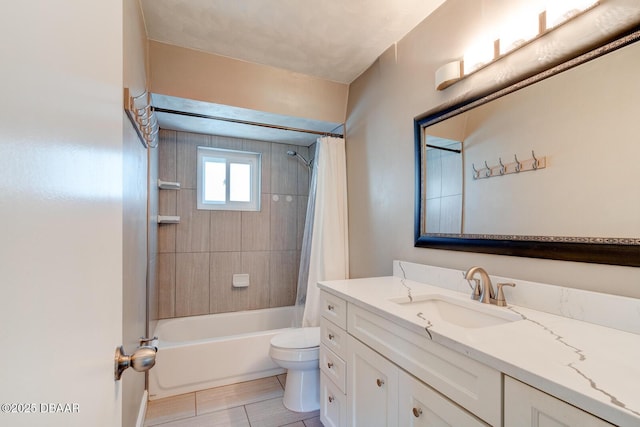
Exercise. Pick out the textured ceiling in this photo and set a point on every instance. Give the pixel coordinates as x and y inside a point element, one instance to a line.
<point>332,39</point>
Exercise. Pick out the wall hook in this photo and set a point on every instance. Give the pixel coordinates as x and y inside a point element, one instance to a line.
<point>534,164</point>
<point>518,164</point>
<point>488,172</point>
<point>502,167</point>
<point>476,173</point>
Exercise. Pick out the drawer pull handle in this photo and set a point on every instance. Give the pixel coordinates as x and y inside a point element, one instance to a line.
<point>330,307</point>
<point>379,382</point>
<point>331,399</point>
<point>417,412</point>
<point>329,365</point>
<point>331,336</point>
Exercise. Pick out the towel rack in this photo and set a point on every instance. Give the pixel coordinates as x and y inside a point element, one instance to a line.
<point>144,120</point>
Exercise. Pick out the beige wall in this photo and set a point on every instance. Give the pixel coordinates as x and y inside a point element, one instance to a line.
<point>198,257</point>
<point>134,255</point>
<point>200,76</point>
<point>380,157</point>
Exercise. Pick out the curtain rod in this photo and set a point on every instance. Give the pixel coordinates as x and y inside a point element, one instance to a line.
<point>244,122</point>
<point>444,148</point>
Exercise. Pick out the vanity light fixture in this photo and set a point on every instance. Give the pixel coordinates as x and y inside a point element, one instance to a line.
<point>520,31</point>
<point>448,74</point>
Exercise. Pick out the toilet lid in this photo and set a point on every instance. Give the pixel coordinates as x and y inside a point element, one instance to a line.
<point>298,338</point>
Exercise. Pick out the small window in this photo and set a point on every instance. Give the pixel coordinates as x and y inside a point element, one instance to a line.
<point>228,179</point>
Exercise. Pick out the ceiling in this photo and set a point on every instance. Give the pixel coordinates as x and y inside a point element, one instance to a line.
<point>335,40</point>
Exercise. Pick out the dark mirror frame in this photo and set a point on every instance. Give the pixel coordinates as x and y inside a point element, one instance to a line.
<point>613,251</point>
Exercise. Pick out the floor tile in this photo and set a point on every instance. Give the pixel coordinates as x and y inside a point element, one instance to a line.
<point>235,417</point>
<point>170,408</point>
<point>313,422</point>
<point>272,413</point>
<point>233,395</point>
<point>297,424</point>
<point>282,378</point>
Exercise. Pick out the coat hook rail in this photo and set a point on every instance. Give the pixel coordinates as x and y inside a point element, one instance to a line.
<point>144,120</point>
<point>532,164</point>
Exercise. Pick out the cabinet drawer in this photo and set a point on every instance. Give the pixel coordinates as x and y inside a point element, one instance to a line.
<point>333,337</point>
<point>470,384</point>
<point>333,404</point>
<point>525,405</point>
<point>333,367</point>
<point>421,406</point>
<point>334,309</point>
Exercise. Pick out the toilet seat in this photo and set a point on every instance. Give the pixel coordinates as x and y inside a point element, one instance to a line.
<point>299,345</point>
<point>298,339</point>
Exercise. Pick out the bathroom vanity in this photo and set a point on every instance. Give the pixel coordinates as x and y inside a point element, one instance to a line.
<point>401,352</point>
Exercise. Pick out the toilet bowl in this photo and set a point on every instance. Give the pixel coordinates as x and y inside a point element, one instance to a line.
<point>298,352</point>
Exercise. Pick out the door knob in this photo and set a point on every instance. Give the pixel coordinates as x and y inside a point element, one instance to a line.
<point>141,360</point>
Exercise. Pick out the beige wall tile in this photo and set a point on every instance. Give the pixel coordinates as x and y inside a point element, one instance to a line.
<point>186,151</point>
<point>167,202</point>
<point>167,155</point>
<point>192,284</point>
<point>192,233</point>
<point>284,222</point>
<point>235,242</point>
<point>283,278</point>
<point>256,264</point>
<point>284,170</point>
<point>255,227</point>
<point>166,285</point>
<point>223,265</point>
<point>265,149</point>
<point>225,231</point>
<point>228,143</point>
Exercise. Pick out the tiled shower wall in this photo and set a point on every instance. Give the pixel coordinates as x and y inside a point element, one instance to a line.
<point>198,257</point>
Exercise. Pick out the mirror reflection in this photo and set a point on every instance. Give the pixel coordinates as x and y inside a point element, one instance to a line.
<point>583,122</point>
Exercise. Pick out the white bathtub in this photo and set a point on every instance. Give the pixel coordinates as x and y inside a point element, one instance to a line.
<point>200,352</point>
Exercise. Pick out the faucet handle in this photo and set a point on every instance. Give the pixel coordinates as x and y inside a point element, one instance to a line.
<point>500,300</point>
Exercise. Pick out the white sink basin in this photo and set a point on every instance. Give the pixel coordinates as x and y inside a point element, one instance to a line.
<point>466,314</point>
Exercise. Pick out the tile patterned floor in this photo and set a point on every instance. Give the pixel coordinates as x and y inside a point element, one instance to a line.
<point>250,404</point>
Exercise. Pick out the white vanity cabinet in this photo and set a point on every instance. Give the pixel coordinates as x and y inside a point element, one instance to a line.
<point>528,406</point>
<point>362,357</point>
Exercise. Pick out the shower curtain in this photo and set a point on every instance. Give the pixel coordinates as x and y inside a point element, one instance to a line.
<point>325,247</point>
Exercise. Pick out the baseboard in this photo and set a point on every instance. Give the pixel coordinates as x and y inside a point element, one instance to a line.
<point>143,409</point>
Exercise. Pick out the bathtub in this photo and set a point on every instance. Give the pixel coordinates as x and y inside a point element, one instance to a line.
<point>200,352</point>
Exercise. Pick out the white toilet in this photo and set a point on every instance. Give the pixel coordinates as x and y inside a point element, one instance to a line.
<point>298,352</point>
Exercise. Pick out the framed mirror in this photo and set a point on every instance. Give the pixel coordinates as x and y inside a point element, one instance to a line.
<point>548,167</point>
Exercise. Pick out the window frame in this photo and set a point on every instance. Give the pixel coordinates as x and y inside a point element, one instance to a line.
<point>254,159</point>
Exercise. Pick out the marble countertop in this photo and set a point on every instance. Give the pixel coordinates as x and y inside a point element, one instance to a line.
<point>589,366</point>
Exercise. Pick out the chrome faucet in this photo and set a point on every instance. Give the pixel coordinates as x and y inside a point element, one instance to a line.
<point>484,286</point>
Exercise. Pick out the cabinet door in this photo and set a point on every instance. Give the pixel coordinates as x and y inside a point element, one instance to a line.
<point>422,406</point>
<point>333,404</point>
<point>372,387</point>
<point>527,406</point>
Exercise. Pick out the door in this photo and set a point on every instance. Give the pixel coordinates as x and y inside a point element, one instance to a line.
<point>61,124</point>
